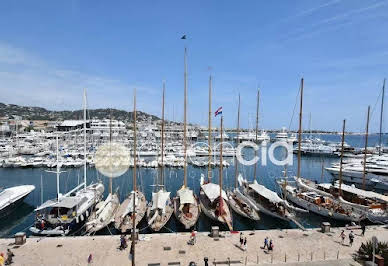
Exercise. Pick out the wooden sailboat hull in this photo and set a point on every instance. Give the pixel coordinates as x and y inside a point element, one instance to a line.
<point>190,217</point>
<point>162,218</point>
<point>98,221</point>
<point>320,210</point>
<point>260,208</point>
<point>245,211</point>
<point>123,220</point>
<point>211,212</point>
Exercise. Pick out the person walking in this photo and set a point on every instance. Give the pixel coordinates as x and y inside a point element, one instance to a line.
<point>245,244</point>
<point>270,247</point>
<point>363,228</point>
<point>265,242</point>
<point>241,239</point>
<point>342,235</point>
<point>351,238</point>
<point>2,259</point>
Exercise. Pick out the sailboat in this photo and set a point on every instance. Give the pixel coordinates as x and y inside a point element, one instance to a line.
<point>236,202</point>
<point>186,207</point>
<point>371,204</point>
<point>136,199</point>
<point>263,199</point>
<point>67,212</point>
<point>310,199</point>
<point>160,209</point>
<point>212,198</point>
<point>105,211</point>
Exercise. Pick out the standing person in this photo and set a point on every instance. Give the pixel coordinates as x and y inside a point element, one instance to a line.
<point>2,259</point>
<point>351,238</point>
<point>270,247</point>
<point>363,228</point>
<point>193,237</point>
<point>241,239</point>
<point>342,235</point>
<point>245,243</point>
<point>266,242</point>
<point>10,255</point>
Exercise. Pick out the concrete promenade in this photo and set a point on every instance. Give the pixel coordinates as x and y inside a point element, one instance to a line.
<point>290,246</point>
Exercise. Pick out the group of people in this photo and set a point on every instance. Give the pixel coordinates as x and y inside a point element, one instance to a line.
<point>243,241</point>
<point>351,237</point>
<point>268,244</point>
<point>7,261</point>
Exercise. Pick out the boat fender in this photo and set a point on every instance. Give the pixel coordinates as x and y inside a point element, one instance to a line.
<point>87,213</point>
<point>82,217</point>
<point>76,220</point>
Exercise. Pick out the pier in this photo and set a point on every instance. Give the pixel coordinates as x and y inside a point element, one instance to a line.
<point>291,246</point>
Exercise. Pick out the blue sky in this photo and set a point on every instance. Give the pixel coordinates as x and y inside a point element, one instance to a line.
<point>51,50</point>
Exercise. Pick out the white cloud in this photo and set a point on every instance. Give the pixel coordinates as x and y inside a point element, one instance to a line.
<point>29,80</point>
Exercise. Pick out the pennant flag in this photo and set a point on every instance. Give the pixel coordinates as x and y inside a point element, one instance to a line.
<point>183,37</point>
<point>218,112</point>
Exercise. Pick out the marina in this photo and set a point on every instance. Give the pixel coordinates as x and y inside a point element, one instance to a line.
<point>193,133</point>
<point>23,217</point>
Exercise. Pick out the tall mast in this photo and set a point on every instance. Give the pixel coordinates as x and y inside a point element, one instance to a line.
<point>209,170</point>
<point>41,189</point>
<point>110,149</point>
<point>134,141</point>
<point>184,123</point>
<point>162,140</point>
<point>85,138</point>
<point>57,168</point>
<point>342,156</point>
<point>300,125</point>
<point>237,139</point>
<point>381,119</point>
<point>134,179</point>
<point>221,167</point>
<point>310,125</point>
<point>256,131</point>
<point>365,151</point>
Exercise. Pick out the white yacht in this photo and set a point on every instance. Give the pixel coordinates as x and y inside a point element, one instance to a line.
<point>11,197</point>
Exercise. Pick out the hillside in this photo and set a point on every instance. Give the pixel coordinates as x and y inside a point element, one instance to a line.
<point>39,113</point>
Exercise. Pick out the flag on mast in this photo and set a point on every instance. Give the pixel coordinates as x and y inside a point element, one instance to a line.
<point>218,112</point>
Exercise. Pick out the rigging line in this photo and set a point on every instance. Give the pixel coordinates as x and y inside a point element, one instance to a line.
<point>293,112</point>
<point>377,101</point>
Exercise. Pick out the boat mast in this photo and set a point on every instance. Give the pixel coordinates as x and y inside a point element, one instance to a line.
<point>184,122</point>
<point>41,189</point>
<point>221,167</point>
<point>162,140</point>
<point>256,131</point>
<point>84,138</point>
<point>237,140</point>
<point>365,151</point>
<point>110,149</point>
<point>57,168</point>
<point>381,118</point>
<point>300,125</point>
<point>342,156</point>
<point>209,170</point>
<point>134,141</point>
<point>134,180</point>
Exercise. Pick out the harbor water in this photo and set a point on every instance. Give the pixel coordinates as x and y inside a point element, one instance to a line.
<point>23,217</point>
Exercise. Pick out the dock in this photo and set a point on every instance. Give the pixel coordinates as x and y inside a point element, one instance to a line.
<point>291,247</point>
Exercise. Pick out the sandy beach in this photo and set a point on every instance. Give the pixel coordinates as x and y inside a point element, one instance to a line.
<point>290,246</point>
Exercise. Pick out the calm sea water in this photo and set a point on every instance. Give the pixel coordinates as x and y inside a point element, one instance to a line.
<point>23,217</point>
